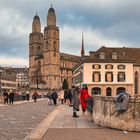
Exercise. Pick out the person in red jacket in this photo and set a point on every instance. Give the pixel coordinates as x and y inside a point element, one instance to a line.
<point>83,97</point>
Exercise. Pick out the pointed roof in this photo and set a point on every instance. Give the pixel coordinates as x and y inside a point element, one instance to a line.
<point>82,49</point>
<point>51,17</point>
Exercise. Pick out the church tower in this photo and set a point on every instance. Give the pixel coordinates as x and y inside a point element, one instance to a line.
<point>35,52</point>
<point>51,51</point>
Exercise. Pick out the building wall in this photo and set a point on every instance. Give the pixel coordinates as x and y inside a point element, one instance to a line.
<point>88,71</point>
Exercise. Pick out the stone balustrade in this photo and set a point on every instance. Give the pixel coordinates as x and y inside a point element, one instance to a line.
<point>105,114</point>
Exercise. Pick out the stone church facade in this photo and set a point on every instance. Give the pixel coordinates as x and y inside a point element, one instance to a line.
<point>48,67</point>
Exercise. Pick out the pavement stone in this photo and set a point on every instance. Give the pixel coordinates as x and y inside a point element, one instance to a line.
<point>19,119</point>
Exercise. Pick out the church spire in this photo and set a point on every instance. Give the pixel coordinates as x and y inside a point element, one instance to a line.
<point>82,49</point>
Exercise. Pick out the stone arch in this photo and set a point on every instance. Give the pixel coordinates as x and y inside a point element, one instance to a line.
<point>136,82</point>
<point>120,89</point>
<point>108,91</point>
<point>96,91</point>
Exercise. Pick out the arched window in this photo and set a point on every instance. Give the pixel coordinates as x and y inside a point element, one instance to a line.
<point>136,82</point>
<point>120,89</point>
<point>47,45</point>
<point>38,48</point>
<point>54,47</point>
<point>96,91</point>
<point>39,65</point>
<point>108,91</point>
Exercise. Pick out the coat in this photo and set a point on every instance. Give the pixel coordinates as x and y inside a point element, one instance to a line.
<point>83,97</point>
<point>75,97</point>
<point>121,102</point>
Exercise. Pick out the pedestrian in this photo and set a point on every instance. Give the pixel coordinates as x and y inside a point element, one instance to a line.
<point>35,95</point>
<point>11,97</point>
<point>49,98</point>
<point>27,96</point>
<point>75,100</point>
<point>54,96</point>
<point>67,97</point>
<point>83,97</point>
<point>121,100</point>
<point>5,95</point>
<point>61,96</point>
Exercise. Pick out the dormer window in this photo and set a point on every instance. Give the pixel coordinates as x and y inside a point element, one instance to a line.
<point>114,55</point>
<point>102,55</point>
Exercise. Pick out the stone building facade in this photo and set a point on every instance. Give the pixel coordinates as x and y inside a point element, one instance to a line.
<point>108,71</point>
<point>48,67</point>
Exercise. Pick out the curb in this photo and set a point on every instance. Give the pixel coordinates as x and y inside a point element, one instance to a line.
<point>41,129</point>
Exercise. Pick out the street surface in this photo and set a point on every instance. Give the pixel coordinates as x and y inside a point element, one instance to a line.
<point>16,121</point>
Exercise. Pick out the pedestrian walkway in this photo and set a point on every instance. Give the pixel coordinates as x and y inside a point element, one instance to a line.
<point>65,120</point>
<point>60,125</point>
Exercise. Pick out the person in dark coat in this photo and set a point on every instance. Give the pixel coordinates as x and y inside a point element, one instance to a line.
<point>5,95</point>
<point>122,102</point>
<point>54,96</point>
<point>11,97</point>
<point>75,100</point>
<point>27,96</point>
<point>35,95</point>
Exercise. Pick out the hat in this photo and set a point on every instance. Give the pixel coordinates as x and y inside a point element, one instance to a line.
<point>84,85</point>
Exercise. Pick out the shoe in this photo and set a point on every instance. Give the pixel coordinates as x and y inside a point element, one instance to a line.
<point>75,115</point>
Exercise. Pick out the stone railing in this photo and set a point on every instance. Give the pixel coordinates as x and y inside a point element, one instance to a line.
<point>105,114</point>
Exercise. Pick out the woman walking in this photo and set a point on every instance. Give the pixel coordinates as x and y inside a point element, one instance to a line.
<point>83,97</point>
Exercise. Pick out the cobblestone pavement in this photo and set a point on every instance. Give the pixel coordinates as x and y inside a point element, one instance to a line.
<point>16,121</point>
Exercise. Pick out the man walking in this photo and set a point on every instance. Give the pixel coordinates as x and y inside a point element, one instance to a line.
<point>75,100</point>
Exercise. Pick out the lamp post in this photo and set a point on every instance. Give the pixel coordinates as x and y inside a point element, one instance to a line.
<point>0,82</point>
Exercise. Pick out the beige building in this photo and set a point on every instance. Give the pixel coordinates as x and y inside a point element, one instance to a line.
<point>22,78</point>
<point>48,67</point>
<point>109,71</point>
<point>7,79</point>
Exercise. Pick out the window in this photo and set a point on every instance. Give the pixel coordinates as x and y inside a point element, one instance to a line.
<point>109,77</point>
<point>114,56</point>
<point>121,67</point>
<point>108,66</point>
<point>96,66</point>
<point>108,91</point>
<point>102,55</point>
<point>54,47</point>
<point>47,45</point>
<point>38,48</point>
<point>121,77</point>
<point>96,77</point>
<point>39,66</point>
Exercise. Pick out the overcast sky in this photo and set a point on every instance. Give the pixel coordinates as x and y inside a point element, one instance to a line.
<point>111,23</point>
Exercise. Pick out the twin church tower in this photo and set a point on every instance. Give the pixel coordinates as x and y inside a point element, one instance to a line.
<point>48,67</point>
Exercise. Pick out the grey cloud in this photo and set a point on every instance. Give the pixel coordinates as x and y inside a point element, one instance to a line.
<point>118,20</point>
